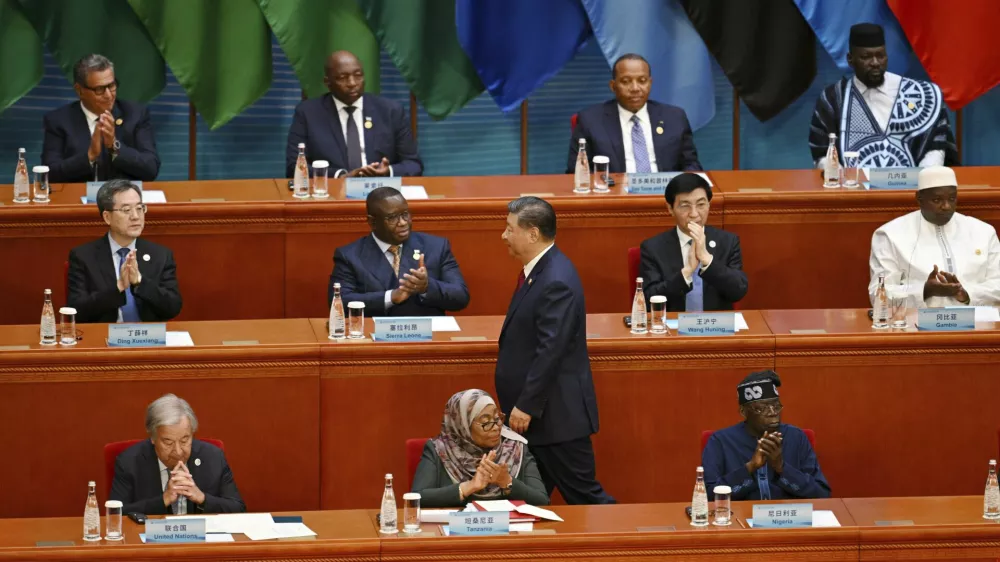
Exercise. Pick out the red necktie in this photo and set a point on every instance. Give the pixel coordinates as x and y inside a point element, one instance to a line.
<point>520,281</point>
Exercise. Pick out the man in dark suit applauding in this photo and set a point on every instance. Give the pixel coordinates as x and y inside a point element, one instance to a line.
<point>153,474</point>
<point>394,271</point>
<point>637,135</point>
<point>120,277</point>
<point>359,134</point>
<point>543,377</point>
<point>100,137</point>
<point>697,267</point>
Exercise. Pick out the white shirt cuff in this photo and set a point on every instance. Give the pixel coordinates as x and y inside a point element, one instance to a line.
<point>391,175</point>
<point>388,300</point>
<point>339,173</point>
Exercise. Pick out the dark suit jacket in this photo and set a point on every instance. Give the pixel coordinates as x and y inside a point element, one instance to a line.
<point>67,139</point>
<point>723,283</point>
<point>137,480</point>
<point>437,489</point>
<point>317,124</point>
<point>365,275</point>
<point>93,286</point>
<point>602,128</point>
<point>543,367</point>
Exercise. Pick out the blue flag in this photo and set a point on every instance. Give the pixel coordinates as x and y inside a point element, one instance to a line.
<point>831,20</point>
<point>660,31</point>
<point>516,45</point>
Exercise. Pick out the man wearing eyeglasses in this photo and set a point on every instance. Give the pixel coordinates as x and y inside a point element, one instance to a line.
<point>761,458</point>
<point>120,277</point>
<point>394,271</point>
<point>696,266</point>
<point>100,137</point>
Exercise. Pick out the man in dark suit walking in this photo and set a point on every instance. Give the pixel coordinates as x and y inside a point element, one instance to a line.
<point>395,271</point>
<point>120,277</point>
<point>100,137</point>
<point>637,135</point>
<point>697,267</point>
<point>543,377</point>
<point>151,475</point>
<point>359,134</point>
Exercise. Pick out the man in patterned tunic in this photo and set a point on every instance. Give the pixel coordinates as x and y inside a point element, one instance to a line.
<point>890,120</point>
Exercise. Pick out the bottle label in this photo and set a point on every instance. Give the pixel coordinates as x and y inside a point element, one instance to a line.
<point>947,319</point>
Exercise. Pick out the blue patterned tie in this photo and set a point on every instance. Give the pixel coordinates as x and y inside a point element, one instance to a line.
<point>639,151</point>
<point>129,312</point>
<point>694,301</point>
<point>763,484</point>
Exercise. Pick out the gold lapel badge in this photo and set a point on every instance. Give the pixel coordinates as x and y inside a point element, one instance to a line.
<point>659,128</point>
<point>979,252</point>
<point>119,122</point>
<point>368,122</point>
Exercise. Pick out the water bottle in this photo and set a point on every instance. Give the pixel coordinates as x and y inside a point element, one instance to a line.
<point>91,515</point>
<point>180,505</point>
<point>388,513</point>
<point>337,324</point>
<point>300,184</point>
<point>581,178</point>
<point>639,309</point>
<point>831,170</point>
<point>47,330</point>
<point>880,308</point>
<point>22,187</point>
<point>699,500</point>
<point>991,499</point>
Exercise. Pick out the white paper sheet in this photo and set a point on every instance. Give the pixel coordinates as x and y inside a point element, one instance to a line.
<point>209,537</point>
<point>496,505</point>
<point>984,313</point>
<point>538,512</point>
<point>435,515</point>
<point>153,196</point>
<point>741,323</point>
<point>279,531</point>
<point>411,192</point>
<point>444,324</point>
<point>179,339</point>
<point>821,518</point>
<point>231,522</point>
<point>522,527</point>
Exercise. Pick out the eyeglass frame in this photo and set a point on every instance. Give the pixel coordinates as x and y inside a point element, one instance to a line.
<point>127,210</point>
<point>761,409</point>
<point>394,219</point>
<point>103,88</point>
<point>497,420</point>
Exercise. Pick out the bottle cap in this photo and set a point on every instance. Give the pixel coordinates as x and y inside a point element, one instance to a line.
<point>601,159</point>
<point>993,461</point>
<point>638,279</point>
<point>20,150</point>
<point>700,469</point>
<point>92,483</point>
<point>336,285</point>
<point>583,141</point>
<point>656,299</point>
<point>48,291</point>
<point>410,496</point>
<point>302,145</point>
<point>40,169</point>
<point>111,504</point>
<point>320,164</point>
<point>722,490</point>
<point>67,310</point>
<point>357,304</point>
<point>388,476</point>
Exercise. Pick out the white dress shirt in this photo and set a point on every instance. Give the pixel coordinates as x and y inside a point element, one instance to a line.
<point>389,257</point>
<point>625,116</point>
<point>687,246</point>
<point>164,474</point>
<point>359,121</point>
<point>115,246</point>
<point>92,118</point>
<point>531,264</point>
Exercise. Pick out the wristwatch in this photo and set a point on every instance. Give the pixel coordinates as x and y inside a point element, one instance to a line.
<point>508,488</point>
<point>115,147</point>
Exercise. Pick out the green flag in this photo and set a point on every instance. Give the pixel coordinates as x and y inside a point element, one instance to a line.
<point>420,37</point>
<point>20,54</point>
<point>72,30</point>
<point>309,30</point>
<point>219,50</point>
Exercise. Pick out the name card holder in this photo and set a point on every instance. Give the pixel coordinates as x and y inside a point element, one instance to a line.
<point>946,319</point>
<point>706,323</point>
<point>479,523</point>
<point>649,183</point>
<point>402,328</point>
<point>137,335</point>
<point>893,178</point>
<point>175,530</point>
<point>94,186</point>
<point>785,515</point>
<point>359,188</point>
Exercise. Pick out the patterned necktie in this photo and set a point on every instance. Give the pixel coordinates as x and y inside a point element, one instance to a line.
<point>130,313</point>
<point>639,151</point>
<point>763,484</point>
<point>353,142</point>
<point>394,250</point>
<point>694,301</point>
<point>520,281</point>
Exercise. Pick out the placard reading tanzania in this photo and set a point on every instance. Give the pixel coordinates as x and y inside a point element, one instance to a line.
<point>649,183</point>
<point>783,515</point>
<point>946,319</point>
<point>402,328</point>
<point>893,178</point>
<point>93,186</point>
<point>175,530</point>
<point>467,523</point>
<point>359,188</point>
<point>706,323</point>
<point>137,335</point>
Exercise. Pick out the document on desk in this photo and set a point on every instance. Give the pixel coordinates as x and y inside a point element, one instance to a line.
<point>231,522</point>
<point>984,313</point>
<point>411,192</point>
<point>444,324</point>
<point>179,339</point>
<point>153,196</point>
<point>279,531</point>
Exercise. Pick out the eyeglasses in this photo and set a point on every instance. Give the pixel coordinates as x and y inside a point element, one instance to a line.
<point>686,208</point>
<point>128,210</point>
<point>394,219</point>
<point>492,423</point>
<point>760,409</point>
<point>99,90</point>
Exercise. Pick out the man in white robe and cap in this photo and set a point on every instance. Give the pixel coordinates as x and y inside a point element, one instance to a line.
<point>938,256</point>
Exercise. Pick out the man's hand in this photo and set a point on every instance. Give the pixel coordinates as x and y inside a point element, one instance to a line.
<point>938,285</point>
<point>134,277</point>
<point>400,294</point>
<point>415,282</point>
<point>106,124</point>
<point>771,444</point>
<point>519,420</point>
<point>183,483</point>
<point>125,272</point>
<point>380,168</point>
<point>759,457</point>
<point>691,264</point>
<point>94,150</point>
<point>962,295</point>
<point>700,248</point>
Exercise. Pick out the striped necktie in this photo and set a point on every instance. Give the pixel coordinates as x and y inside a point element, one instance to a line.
<point>639,151</point>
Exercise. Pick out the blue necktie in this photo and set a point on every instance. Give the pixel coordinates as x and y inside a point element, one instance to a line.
<point>639,151</point>
<point>694,301</point>
<point>129,312</point>
<point>763,484</point>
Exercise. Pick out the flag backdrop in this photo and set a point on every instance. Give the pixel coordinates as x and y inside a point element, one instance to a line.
<point>20,54</point>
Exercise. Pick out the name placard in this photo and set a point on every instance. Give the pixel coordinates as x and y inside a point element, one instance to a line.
<point>946,319</point>
<point>359,188</point>
<point>93,186</point>
<point>402,328</point>
<point>137,335</point>
<point>893,178</point>
<point>649,183</point>
<point>464,523</point>
<point>783,515</point>
<point>175,530</point>
<point>706,323</point>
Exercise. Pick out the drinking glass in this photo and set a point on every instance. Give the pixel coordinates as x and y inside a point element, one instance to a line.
<point>658,314</point>
<point>41,194</point>
<point>850,169</point>
<point>67,326</point>
<point>411,512</point>
<point>722,513</point>
<point>897,305</point>
<point>113,520</point>
<point>320,187</point>
<point>356,320</point>
<point>600,177</point>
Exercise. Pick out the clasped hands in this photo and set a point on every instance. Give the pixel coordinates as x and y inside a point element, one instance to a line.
<point>699,255</point>
<point>380,168</point>
<point>944,284</point>
<point>104,135</point>
<point>129,274</point>
<point>181,483</point>
<point>488,472</point>
<point>768,452</point>
<point>412,283</point>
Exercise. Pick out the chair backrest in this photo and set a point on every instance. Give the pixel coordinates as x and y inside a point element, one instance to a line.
<point>572,123</point>
<point>810,435</point>
<point>414,450</point>
<point>112,450</point>
<point>634,255</point>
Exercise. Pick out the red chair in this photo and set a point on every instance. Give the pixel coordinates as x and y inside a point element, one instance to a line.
<point>634,256</point>
<point>414,450</point>
<point>112,450</point>
<point>572,122</point>
<point>810,435</point>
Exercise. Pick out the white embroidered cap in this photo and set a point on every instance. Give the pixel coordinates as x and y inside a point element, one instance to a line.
<point>936,176</point>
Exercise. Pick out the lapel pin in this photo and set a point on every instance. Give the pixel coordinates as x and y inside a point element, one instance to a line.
<point>530,281</point>
<point>197,462</point>
<point>659,130</point>
<point>711,243</point>
<point>118,122</point>
<point>145,257</point>
<point>416,255</point>
<point>979,252</point>
<point>368,122</point>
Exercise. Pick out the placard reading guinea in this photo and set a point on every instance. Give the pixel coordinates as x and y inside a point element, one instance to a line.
<point>706,323</point>
<point>175,530</point>
<point>359,188</point>
<point>946,319</point>
<point>402,328</point>
<point>893,178</point>
<point>137,335</point>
